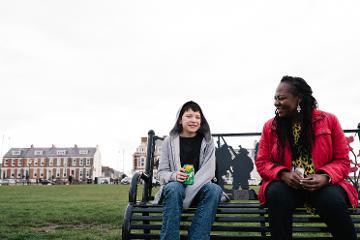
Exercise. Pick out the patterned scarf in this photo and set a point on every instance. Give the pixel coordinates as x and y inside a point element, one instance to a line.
<point>301,158</point>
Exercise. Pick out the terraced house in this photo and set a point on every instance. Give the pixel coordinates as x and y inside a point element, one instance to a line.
<point>82,163</point>
<point>139,156</point>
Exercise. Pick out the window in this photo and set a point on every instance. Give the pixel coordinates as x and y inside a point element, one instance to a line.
<point>142,162</point>
<point>58,172</point>
<point>35,162</point>
<point>60,152</point>
<point>16,152</point>
<point>19,162</point>
<point>12,173</point>
<point>82,152</point>
<point>81,162</point>
<point>13,162</point>
<point>80,172</point>
<point>58,162</point>
<point>19,173</point>
<point>38,152</point>
<point>6,162</point>
<point>51,161</point>
<point>88,162</point>
<point>4,174</point>
<point>87,172</point>
<point>74,162</point>
<point>42,162</point>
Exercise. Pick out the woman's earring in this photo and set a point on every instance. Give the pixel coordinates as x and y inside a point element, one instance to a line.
<point>298,109</point>
<point>276,111</point>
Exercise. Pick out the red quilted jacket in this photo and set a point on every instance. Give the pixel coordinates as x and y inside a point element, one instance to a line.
<point>330,154</point>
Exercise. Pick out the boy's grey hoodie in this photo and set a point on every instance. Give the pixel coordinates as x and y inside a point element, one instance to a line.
<point>169,164</point>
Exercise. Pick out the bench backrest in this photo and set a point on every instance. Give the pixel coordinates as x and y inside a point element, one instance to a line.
<point>227,155</point>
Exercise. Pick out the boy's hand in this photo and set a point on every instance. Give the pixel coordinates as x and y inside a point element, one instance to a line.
<point>181,176</point>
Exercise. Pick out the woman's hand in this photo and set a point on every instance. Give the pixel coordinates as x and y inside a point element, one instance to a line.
<point>181,176</point>
<point>314,182</point>
<point>292,179</point>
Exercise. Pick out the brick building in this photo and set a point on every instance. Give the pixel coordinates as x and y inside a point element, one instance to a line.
<point>139,157</point>
<point>52,163</point>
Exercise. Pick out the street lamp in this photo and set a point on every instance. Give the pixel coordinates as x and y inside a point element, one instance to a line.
<point>123,162</point>
<point>28,174</point>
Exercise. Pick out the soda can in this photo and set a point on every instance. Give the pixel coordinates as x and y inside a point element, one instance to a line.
<point>190,171</point>
<point>300,170</point>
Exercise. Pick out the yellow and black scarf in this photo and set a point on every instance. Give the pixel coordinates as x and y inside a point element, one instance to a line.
<point>301,158</point>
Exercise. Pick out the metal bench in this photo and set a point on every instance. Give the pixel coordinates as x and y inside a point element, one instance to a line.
<point>234,220</point>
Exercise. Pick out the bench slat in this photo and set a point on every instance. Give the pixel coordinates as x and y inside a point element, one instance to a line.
<point>220,237</point>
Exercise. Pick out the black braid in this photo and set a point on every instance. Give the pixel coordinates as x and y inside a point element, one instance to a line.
<point>283,125</point>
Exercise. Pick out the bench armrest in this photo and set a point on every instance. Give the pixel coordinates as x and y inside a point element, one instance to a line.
<point>134,185</point>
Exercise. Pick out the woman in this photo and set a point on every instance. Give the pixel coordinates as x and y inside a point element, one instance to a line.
<point>303,158</point>
<point>190,142</point>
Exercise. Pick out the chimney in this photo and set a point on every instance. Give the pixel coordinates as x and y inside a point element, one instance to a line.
<point>52,146</point>
<point>143,139</point>
<point>31,146</point>
<point>75,145</point>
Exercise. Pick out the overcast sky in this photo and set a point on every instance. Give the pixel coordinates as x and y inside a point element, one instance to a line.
<point>105,72</point>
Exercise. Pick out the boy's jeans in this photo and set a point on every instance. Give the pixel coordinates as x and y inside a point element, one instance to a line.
<point>207,201</point>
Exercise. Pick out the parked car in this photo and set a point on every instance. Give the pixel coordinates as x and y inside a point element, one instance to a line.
<point>46,182</point>
<point>228,180</point>
<point>156,182</point>
<point>4,182</point>
<point>8,181</point>
<point>104,181</point>
<point>253,181</point>
<point>126,180</point>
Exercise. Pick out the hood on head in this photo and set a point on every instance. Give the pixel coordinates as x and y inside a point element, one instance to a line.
<point>204,126</point>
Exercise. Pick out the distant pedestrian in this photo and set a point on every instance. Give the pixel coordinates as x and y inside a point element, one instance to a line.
<point>23,180</point>
<point>70,179</point>
<point>28,180</point>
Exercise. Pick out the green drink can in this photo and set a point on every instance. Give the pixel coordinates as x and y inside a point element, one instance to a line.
<point>190,171</point>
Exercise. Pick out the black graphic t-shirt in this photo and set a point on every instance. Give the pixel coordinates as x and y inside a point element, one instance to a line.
<point>190,150</point>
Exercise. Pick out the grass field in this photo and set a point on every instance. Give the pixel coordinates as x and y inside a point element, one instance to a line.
<point>62,212</point>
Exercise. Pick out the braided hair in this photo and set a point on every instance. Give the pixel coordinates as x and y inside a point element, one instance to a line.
<point>283,125</point>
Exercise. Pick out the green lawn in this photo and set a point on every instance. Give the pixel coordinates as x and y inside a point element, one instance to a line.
<point>62,212</point>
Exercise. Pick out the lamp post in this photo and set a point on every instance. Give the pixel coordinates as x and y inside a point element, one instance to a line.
<point>65,170</point>
<point>28,174</point>
<point>123,161</point>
